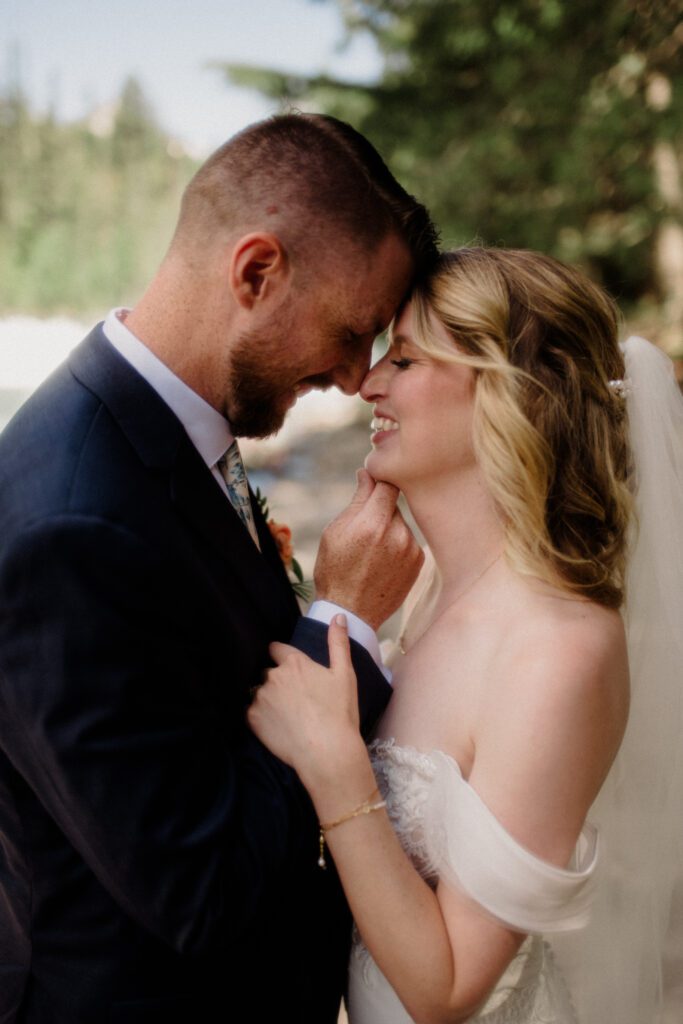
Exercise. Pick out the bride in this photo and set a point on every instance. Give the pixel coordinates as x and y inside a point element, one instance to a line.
<point>461,835</point>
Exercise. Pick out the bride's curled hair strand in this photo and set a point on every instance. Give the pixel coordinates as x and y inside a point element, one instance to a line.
<point>550,434</point>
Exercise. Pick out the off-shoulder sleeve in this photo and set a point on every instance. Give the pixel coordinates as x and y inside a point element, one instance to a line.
<point>469,849</point>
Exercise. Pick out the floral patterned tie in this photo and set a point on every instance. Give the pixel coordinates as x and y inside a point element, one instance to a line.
<point>234,474</point>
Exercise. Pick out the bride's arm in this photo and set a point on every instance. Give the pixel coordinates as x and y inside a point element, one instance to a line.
<point>541,756</point>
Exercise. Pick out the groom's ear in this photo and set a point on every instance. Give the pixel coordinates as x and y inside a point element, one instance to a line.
<point>258,268</point>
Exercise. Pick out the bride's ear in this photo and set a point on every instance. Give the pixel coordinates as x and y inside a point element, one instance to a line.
<point>258,269</point>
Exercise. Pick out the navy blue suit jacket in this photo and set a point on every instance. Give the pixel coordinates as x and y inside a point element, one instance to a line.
<point>157,863</point>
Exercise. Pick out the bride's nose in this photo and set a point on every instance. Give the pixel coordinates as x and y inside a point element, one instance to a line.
<point>374,382</point>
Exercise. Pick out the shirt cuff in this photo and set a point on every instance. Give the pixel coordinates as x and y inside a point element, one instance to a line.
<point>324,611</point>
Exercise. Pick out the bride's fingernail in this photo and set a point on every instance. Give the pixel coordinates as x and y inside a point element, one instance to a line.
<point>340,619</point>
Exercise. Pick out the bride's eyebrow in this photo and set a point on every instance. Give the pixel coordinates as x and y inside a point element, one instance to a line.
<point>398,341</point>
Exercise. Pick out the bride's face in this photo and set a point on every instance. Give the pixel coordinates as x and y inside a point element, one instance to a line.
<point>422,426</point>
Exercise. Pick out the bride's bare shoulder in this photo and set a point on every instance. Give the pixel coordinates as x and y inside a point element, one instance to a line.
<point>564,659</point>
<point>552,720</point>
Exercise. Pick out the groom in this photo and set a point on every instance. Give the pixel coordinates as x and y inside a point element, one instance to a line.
<point>157,864</point>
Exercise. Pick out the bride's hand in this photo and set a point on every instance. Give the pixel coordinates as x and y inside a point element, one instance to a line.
<point>306,714</point>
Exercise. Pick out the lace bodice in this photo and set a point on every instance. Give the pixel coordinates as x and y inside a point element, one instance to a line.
<point>404,776</point>
<point>531,990</point>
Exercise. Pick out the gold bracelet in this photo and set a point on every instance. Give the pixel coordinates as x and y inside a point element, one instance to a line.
<point>365,808</point>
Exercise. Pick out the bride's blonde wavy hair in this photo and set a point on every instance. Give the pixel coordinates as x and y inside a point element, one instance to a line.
<point>550,434</point>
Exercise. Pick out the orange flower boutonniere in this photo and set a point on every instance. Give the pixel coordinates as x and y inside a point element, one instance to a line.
<point>282,535</point>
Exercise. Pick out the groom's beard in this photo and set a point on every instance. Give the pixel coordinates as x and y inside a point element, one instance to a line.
<point>262,387</point>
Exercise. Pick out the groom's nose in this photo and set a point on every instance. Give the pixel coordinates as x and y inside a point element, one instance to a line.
<point>349,375</point>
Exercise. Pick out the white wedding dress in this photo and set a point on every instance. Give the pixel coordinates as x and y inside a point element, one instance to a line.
<point>449,833</point>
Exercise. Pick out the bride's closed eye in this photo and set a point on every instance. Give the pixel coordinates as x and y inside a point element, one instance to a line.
<point>403,363</point>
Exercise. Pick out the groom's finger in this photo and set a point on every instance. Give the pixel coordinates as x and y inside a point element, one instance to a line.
<point>338,642</point>
<point>280,652</point>
<point>365,485</point>
<point>382,502</point>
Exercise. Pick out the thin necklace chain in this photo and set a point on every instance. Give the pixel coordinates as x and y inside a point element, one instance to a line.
<point>401,639</point>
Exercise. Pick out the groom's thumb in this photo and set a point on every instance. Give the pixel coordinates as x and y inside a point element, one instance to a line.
<point>338,642</point>
<point>365,485</point>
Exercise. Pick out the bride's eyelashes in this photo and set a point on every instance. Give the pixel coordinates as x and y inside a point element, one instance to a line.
<point>402,364</point>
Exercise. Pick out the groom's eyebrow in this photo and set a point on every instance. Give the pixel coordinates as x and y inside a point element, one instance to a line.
<point>375,328</point>
<point>359,333</point>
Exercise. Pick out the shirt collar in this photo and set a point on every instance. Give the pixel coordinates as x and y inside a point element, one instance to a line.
<point>208,430</point>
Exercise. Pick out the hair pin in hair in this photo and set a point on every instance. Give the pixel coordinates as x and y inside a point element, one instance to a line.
<point>621,388</point>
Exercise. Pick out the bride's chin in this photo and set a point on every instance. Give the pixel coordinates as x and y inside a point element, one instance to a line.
<point>379,470</point>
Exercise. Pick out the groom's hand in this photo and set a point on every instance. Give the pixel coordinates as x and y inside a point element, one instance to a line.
<point>368,558</point>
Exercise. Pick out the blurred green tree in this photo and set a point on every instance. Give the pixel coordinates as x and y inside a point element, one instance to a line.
<point>135,134</point>
<point>86,209</point>
<point>549,124</point>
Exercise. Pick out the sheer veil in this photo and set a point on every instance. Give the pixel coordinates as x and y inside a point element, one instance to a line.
<point>614,967</point>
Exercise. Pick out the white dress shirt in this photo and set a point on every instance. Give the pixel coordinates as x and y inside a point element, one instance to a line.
<point>211,435</point>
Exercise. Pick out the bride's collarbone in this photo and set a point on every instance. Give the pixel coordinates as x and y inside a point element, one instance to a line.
<point>455,669</point>
<point>447,684</point>
<point>434,707</point>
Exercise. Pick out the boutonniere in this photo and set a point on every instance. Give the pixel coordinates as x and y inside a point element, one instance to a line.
<point>282,535</point>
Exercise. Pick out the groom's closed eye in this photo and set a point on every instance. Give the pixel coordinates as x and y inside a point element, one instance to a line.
<point>358,338</point>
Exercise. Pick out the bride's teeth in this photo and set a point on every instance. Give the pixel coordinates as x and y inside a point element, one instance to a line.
<point>380,423</point>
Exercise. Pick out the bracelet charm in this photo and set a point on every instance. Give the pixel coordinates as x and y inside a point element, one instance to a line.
<point>366,807</point>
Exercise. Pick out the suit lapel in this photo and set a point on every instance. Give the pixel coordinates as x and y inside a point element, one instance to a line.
<point>161,443</point>
<point>201,502</point>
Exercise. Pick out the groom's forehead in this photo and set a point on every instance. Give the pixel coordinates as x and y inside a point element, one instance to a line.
<point>380,279</point>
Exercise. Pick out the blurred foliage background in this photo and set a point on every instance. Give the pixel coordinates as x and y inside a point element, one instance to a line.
<point>86,209</point>
<point>550,124</point>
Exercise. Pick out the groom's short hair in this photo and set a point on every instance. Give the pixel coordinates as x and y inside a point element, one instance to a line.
<point>311,176</point>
